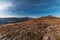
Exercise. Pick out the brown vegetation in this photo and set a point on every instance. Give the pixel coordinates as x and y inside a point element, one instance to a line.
<point>44,28</point>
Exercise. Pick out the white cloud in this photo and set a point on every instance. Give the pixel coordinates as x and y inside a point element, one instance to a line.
<point>4,5</point>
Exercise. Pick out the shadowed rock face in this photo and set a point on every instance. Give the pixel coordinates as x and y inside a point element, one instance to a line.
<point>34,29</point>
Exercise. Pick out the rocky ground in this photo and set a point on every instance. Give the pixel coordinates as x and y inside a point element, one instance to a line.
<point>44,28</point>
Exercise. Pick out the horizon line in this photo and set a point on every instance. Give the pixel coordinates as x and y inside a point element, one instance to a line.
<point>26,16</point>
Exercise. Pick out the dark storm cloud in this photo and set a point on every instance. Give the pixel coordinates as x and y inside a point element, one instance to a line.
<point>25,5</point>
<point>33,7</point>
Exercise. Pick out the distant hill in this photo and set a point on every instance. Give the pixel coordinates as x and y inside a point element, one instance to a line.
<point>43,28</point>
<point>13,20</point>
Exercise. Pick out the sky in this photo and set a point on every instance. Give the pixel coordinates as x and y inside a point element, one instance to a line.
<point>29,8</point>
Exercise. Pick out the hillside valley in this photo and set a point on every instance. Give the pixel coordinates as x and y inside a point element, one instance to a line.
<point>13,20</point>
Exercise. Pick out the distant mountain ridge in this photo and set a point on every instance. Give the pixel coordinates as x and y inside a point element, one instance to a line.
<point>13,20</point>
<point>49,16</point>
<point>21,19</point>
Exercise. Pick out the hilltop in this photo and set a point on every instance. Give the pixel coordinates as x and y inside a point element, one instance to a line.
<point>43,28</point>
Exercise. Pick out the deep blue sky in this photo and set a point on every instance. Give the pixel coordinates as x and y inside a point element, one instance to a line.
<point>32,8</point>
